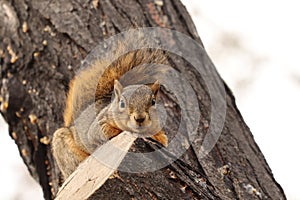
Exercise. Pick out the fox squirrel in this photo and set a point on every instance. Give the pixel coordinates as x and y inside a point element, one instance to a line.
<point>132,109</point>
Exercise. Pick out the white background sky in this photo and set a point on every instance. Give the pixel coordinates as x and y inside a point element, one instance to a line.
<point>255,46</point>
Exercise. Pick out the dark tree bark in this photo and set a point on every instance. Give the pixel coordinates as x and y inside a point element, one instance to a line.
<point>42,44</point>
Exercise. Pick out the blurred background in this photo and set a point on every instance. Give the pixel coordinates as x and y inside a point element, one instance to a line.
<point>254,46</point>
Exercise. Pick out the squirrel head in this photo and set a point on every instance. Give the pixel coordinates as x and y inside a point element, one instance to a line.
<point>134,108</point>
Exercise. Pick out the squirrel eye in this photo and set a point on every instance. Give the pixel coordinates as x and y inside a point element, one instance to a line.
<point>122,104</point>
<point>153,102</point>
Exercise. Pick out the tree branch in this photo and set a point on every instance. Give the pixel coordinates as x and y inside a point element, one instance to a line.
<point>96,169</point>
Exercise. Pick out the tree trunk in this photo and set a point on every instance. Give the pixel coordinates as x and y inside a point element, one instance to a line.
<point>42,45</point>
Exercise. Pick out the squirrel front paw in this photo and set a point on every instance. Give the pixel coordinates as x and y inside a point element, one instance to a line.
<point>161,137</point>
<point>109,131</point>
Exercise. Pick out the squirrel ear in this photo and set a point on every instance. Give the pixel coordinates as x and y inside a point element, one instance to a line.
<point>155,87</point>
<point>118,88</point>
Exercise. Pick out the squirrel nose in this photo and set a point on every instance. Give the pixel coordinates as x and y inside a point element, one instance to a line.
<point>139,119</point>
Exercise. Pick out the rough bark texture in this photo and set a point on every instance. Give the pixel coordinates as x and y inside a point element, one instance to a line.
<point>42,44</point>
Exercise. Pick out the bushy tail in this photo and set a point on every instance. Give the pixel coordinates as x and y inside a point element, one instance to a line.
<point>95,83</point>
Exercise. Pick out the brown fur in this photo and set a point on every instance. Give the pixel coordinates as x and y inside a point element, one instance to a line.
<point>89,87</point>
<point>85,93</point>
